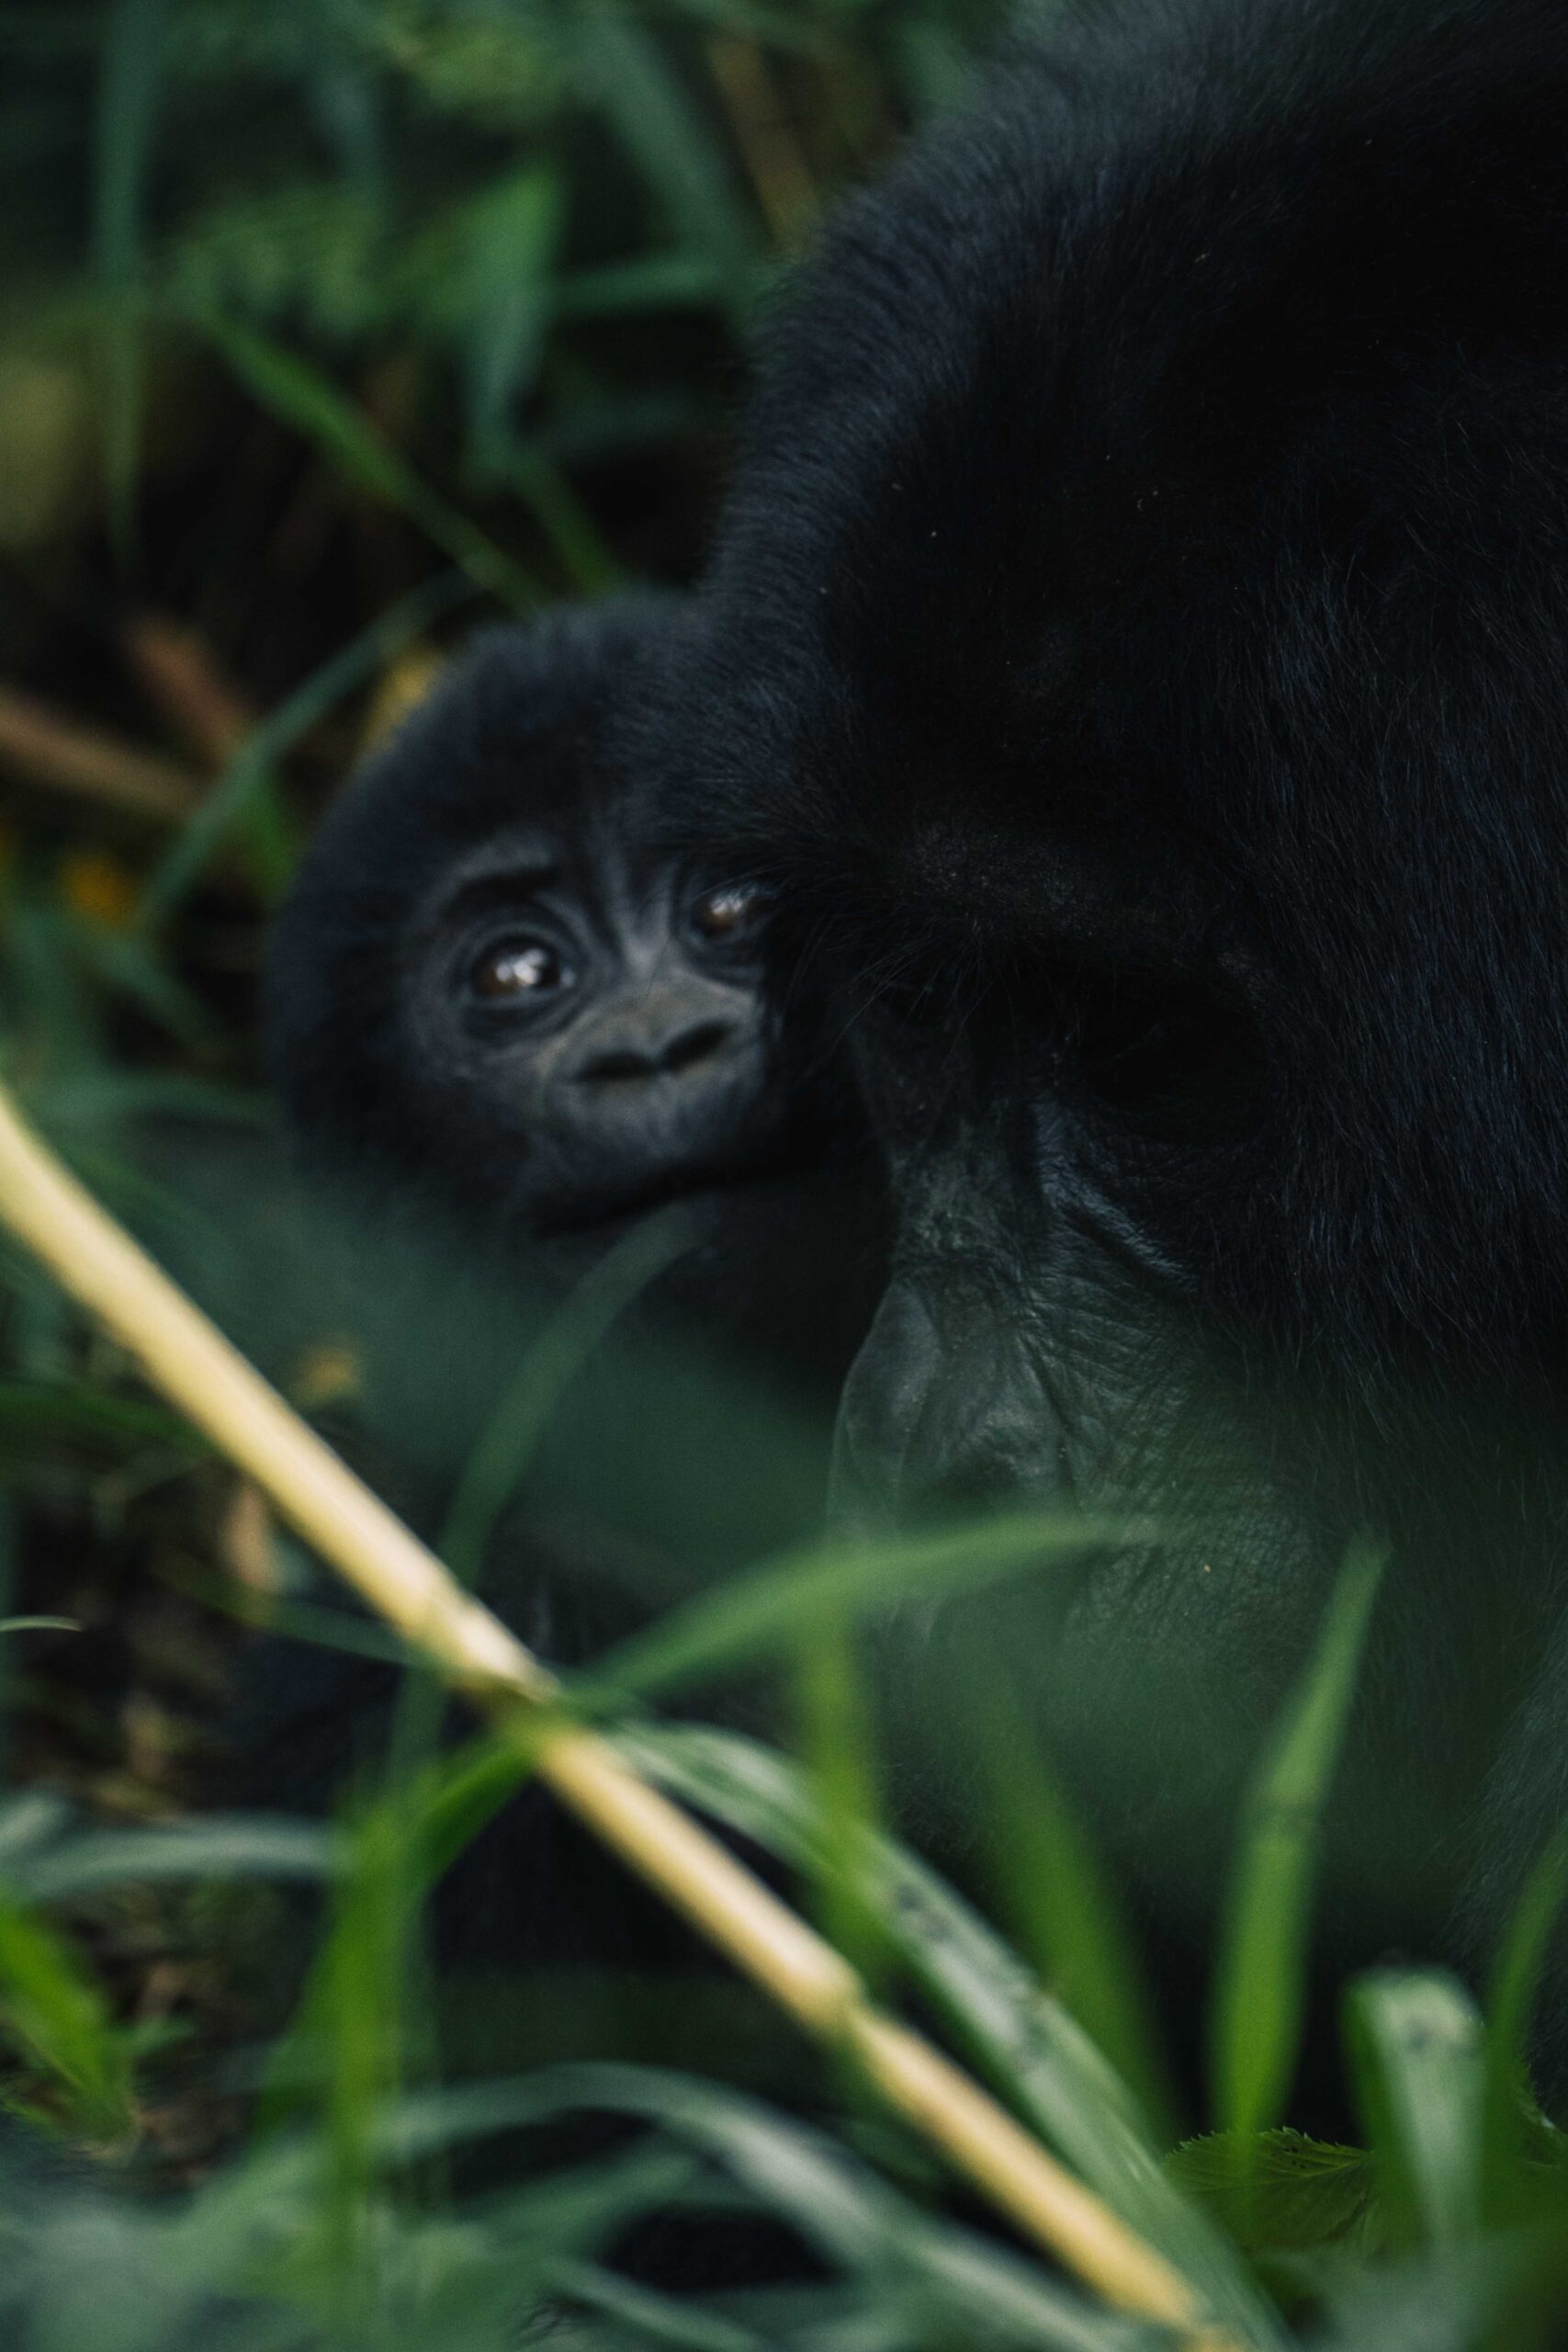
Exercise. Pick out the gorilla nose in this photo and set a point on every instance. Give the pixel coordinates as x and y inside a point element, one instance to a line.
<point>940,1416</point>
<point>655,1050</point>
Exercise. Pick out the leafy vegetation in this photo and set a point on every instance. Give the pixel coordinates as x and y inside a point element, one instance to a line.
<point>327,327</point>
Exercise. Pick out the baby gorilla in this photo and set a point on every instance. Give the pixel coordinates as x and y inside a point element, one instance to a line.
<point>492,979</point>
<point>498,991</point>
<point>510,1021</point>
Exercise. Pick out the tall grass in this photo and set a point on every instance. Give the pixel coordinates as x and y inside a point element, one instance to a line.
<point>324,331</point>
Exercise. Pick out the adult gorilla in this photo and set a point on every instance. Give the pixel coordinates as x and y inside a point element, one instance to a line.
<point>1139,651</point>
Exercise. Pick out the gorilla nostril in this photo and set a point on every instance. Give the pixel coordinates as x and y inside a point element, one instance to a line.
<point>697,1044</point>
<point>661,1057</point>
<point>621,1063</point>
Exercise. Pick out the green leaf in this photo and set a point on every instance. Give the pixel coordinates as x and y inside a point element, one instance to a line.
<point>1066,1915</point>
<point>754,1617</point>
<point>51,2008</point>
<point>508,240</point>
<point>1303,2193</point>
<point>31,1409</point>
<point>1033,2050</point>
<point>250,772</point>
<point>619,65</point>
<point>1259,1997</point>
<point>950,2284</point>
<point>1511,2118</point>
<point>290,388</point>
<point>678,280</point>
<point>836,1746</point>
<point>214,1846</point>
<point>1416,2052</point>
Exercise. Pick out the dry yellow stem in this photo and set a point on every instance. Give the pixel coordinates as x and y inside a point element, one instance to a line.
<point>187,1357</point>
<point>45,747</point>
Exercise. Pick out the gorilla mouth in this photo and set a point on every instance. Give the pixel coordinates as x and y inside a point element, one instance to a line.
<point>605,1207</point>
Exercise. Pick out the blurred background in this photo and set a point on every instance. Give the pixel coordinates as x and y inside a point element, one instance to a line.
<point>328,329</point>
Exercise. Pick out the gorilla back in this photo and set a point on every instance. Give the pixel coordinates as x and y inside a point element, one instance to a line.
<point>1136,646</point>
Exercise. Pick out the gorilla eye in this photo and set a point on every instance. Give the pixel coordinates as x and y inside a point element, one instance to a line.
<point>726,914</point>
<point>514,969</point>
<point>1182,1057</point>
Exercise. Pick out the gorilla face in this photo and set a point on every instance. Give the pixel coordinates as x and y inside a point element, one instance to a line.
<point>596,1016</point>
<point>495,985</point>
<point>1133,653</point>
<point>1041,1132</point>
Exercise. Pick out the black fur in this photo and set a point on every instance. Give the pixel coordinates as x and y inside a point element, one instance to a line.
<point>1135,651</point>
<point>467,1221</point>
<point>564,1126</point>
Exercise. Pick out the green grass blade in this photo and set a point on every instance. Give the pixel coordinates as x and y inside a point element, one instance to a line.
<point>836,1746</point>
<point>620,66</point>
<point>1066,1918</point>
<point>31,1409</point>
<point>1302,2194</point>
<point>130,84</point>
<point>1029,2045</point>
<point>250,772</point>
<point>947,2285</point>
<point>667,281</point>
<point>289,388</point>
<point>214,1846</point>
<point>1417,2055</point>
<point>652,2318</point>
<point>52,2009</point>
<point>936,68</point>
<point>757,1616</point>
<point>363,2028</point>
<point>1259,1997</point>
<point>584,554</point>
<point>510,240</point>
<point>506,1446</point>
<point>1452,2306</point>
<point>1510,2106</point>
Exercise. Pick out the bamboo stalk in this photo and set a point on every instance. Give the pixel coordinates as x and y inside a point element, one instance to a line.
<point>190,1360</point>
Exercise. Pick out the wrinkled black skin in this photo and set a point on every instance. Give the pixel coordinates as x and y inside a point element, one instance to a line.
<point>1135,644</point>
<point>668,1073</point>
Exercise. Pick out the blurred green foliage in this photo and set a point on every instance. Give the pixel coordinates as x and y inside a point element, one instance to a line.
<point>514,239</point>
<point>326,328</point>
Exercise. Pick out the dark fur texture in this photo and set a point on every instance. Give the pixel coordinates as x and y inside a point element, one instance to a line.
<point>396,1091</point>
<point>455,1252</point>
<point>1136,653</point>
<point>1177,448</point>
